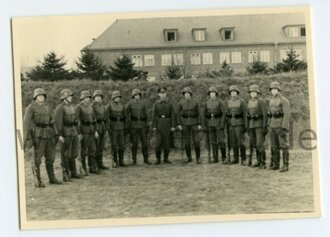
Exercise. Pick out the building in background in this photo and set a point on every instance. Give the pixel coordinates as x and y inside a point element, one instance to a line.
<point>202,43</point>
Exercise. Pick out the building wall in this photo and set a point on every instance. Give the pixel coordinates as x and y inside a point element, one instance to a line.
<point>108,56</point>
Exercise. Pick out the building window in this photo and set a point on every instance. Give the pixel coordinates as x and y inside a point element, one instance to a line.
<point>199,34</point>
<point>227,33</point>
<point>166,60</point>
<point>195,58</point>
<point>236,57</point>
<point>171,35</point>
<point>253,56</point>
<point>178,59</point>
<point>137,60</point>
<point>149,60</point>
<point>295,31</point>
<point>224,57</point>
<point>207,58</point>
<point>265,56</point>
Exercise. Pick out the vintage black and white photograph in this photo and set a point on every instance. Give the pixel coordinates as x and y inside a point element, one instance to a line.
<point>165,117</point>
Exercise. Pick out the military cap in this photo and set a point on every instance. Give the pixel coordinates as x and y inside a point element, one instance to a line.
<point>115,94</point>
<point>39,91</point>
<point>254,88</point>
<point>65,93</point>
<point>187,89</point>
<point>162,90</point>
<point>84,94</point>
<point>135,92</point>
<point>97,92</point>
<point>213,89</point>
<point>275,85</point>
<point>233,88</point>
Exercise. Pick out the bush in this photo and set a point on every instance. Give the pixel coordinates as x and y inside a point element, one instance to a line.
<point>225,71</point>
<point>257,68</point>
<point>173,72</point>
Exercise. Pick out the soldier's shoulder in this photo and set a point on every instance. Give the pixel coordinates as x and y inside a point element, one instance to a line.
<point>284,99</point>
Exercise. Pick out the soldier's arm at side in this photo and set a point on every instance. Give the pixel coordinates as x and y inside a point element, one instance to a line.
<point>28,115</point>
<point>153,116</point>
<point>179,121</point>
<point>223,114</point>
<point>244,111</point>
<point>199,113</point>
<point>264,113</point>
<point>58,119</point>
<point>286,114</point>
<point>173,116</point>
<point>78,117</point>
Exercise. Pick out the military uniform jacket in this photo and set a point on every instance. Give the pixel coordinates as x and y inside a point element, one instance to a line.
<point>279,112</point>
<point>236,112</point>
<point>189,112</point>
<point>116,116</point>
<point>66,120</point>
<point>257,113</point>
<point>163,114</point>
<point>86,118</point>
<point>137,114</point>
<point>38,122</point>
<point>214,113</point>
<point>100,116</point>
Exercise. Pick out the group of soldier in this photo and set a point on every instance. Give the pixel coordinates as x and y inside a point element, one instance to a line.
<point>86,125</point>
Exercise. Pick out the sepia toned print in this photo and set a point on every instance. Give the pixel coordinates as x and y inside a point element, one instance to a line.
<point>165,117</point>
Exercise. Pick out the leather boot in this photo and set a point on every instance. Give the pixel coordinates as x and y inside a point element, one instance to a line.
<point>166,155</point>
<point>100,163</point>
<point>93,169</point>
<point>121,158</point>
<point>51,174</point>
<point>39,183</point>
<point>223,155</point>
<point>235,160</point>
<point>215,153</point>
<point>145,156</point>
<point>249,163</point>
<point>73,170</point>
<point>285,154</point>
<point>262,160</point>
<point>258,160</point>
<point>198,155</point>
<point>158,157</point>
<point>227,161</point>
<point>188,153</point>
<point>66,171</point>
<point>115,160</point>
<point>243,155</point>
<point>134,152</point>
<point>276,159</point>
<point>271,160</point>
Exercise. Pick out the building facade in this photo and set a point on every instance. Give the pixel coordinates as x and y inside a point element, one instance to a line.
<point>200,44</point>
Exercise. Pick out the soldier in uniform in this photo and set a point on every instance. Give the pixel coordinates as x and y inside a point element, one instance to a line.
<point>39,126</point>
<point>86,125</point>
<point>117,124</point>
<point>101,127</point>
<point>214,121</point>
<point>137,116</point>
<point>163,123</point>
<point>66,122</point>
<point>237,124</point>
<point>189,121</point>
<point>257,127</point>
<point>279,123</point>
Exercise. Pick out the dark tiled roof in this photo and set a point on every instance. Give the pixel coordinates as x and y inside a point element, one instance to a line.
<point>149,32</point>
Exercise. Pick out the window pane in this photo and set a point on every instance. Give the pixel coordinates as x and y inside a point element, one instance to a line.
<point>170,36</point>
<point>149,60</point>
<point>166,60</point>
<point>293,32</point>
<point>224,57</point>
<point>137,60</point>
<point>236,57</point>
<point>302,31</point>
<point>195,59</point>
<point>265,56</point>
<point>207,58</point>
<point>199,35</point>
<point>178,59</point>
<point>228,34</point>
<point>253,56</point>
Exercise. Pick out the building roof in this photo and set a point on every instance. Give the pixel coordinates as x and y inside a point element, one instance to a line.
<point>149,32</point>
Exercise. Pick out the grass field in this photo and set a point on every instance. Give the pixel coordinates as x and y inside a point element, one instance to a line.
<point>171,190</point>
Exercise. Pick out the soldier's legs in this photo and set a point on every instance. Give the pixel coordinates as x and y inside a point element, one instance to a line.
<point>121,146</point>
<point>65,158</point>
<point>91,155</point>
<point>253,141</point>
<point>49,160</point>
<point>187,130</point>
<point>234,145</point>
<point>114,147</point>
<point>144,145</point>
<point>99,151</point>
<point>260,140</point>
<point>284,146</point>
<point>240,138</point>
<point>39,147</point>
<point>222,144</point>
<point>159,146</point>
<point>74,154</point>
<point>134,143</point>
<point>84,152</point>
<point>275,148</point>
<point>214,143</point>
<point>167,145</point>
<point>196,140</point>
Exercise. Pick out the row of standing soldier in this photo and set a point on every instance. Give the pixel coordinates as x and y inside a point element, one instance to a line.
<point>88,123</point>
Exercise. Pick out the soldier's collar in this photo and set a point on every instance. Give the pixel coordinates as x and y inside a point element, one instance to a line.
<point>234,97</point>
